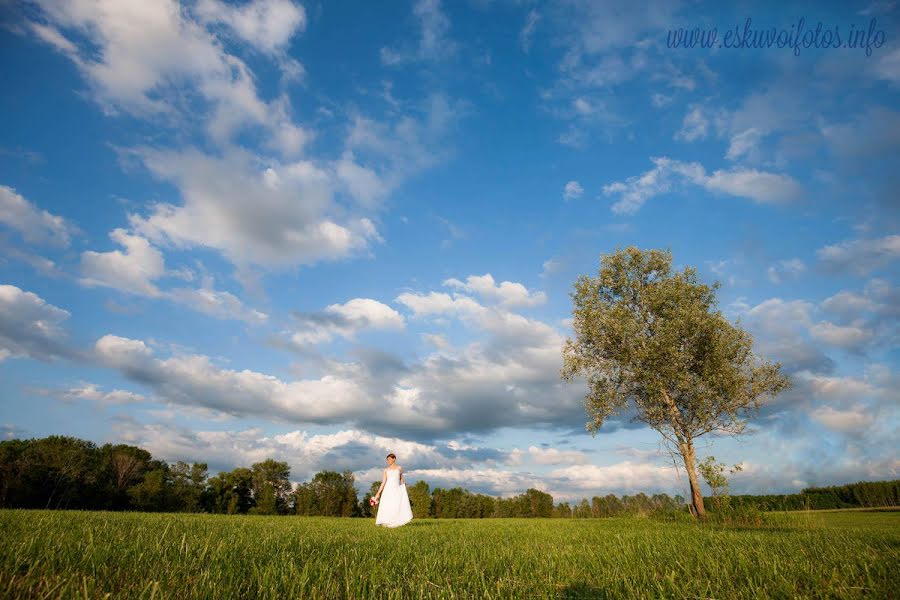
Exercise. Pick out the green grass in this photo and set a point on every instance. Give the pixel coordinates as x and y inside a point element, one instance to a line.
<point>73,554</point>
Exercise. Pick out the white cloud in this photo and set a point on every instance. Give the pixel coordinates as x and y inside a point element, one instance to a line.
<point>267,24</point>
<point>30,327</point>
<point>781,333</point>
<point>194,380</point>
<point>287,223</point>
<point>507,293</point>
<point>847,421</point>
<point>668,174</point>
<point>785,269</point>
<point>759,186</point>
<point>305,453</point>
<point>695,126</point>
<point>627,475</point>
<point>660,100</point>
<point>216,303</point>
<point>547,456</point>
<point>346,320</point>
<point>531,21</point>
<point>132,271</point>
<point>93,393</point>
<point>434,41</point>
<point>582,106</point>
<point>860,256</point>
<point>849,337</point>
<point>35,225</point>
<point>139,56</point>
<point>551,266</point>
<point>745,145</point>
<point>572,190</point>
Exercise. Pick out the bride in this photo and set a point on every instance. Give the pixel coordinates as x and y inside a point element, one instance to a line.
<point>394,509</point>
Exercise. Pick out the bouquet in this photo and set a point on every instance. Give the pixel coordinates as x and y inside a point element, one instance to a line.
<point>373,501</point>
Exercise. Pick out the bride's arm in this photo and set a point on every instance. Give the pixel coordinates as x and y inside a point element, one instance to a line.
<point>401,477</point>
<point>383,481</point>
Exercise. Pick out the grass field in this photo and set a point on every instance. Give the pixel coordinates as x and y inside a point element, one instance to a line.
<point>73,554</point>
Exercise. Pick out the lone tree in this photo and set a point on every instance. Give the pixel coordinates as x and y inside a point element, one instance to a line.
<point>652,336</point>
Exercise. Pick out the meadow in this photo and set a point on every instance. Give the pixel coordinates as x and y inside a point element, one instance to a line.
<point>95,554</point>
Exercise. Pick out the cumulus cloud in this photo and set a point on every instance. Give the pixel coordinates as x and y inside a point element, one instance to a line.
<point>850,337</point>
<point>509,377</point>
<point>668,175</point>
<point>860,256</point>
<point>628,475</point>
<point>34,224</point>
<point>345,320</point>
<point>275,229</point>
<point>131,271</point>
<point>219,304</point>
<point>781,330</point>
<point>30,327</point>
<point>507,293</point>
<point>138,55</point>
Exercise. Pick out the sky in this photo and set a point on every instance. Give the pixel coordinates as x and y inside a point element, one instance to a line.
<point>323,232</point>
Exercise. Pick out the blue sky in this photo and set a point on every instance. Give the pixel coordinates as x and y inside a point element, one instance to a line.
<point>326,232</point>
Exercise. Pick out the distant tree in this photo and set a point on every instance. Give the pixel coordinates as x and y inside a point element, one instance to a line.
<point>277,474</point>
<point>188,485</point>
<point>583,510</point>
<point>648,336</point>
<point>13,491</point>
<point>540,504</point>
<point>266,501</point>
<point>420,499</point>
<point>562,510</point>
<point>330,494</point>
<point>714,475</point>
<point>154,492</point>
<point>230,492</point>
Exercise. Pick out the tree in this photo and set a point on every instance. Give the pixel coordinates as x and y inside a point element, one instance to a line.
<point>265,502</point>
<point>714,475</point>
<point>277,475</point>
<point>420,499</point>
<point>329,494</point>
<point>230,492</point>
<point>652,338</point>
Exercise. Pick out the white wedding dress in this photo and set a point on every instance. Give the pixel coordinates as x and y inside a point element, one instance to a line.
<point>393,507</point>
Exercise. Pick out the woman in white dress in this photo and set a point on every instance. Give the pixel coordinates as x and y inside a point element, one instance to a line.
<point>393,508</point>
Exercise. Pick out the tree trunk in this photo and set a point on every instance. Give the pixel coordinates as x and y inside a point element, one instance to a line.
<point>687,452</point>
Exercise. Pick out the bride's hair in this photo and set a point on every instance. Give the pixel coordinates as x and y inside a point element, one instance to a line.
<point>391,455</point>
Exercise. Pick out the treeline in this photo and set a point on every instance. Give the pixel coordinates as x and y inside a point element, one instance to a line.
<point>613,506</point>
<point>63,472</point>
<point>864,494</point>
